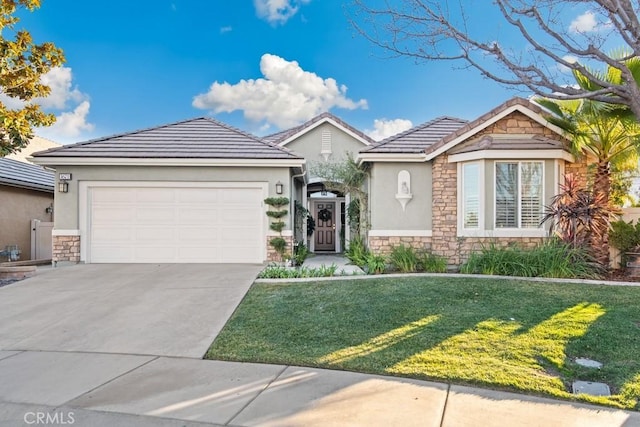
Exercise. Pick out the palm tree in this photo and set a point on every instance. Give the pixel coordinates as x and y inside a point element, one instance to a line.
<point>608,133</point>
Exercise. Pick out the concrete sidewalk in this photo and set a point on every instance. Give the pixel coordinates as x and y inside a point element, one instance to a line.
<point>98,389</point>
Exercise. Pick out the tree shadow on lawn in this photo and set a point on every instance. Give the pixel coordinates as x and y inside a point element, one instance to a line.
<point>461,330</point>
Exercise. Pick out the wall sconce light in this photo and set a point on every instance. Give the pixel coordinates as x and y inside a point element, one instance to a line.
<point>324,191</point>
<point>49,209</point>
<point>279,188</point>
<point>63,185</point>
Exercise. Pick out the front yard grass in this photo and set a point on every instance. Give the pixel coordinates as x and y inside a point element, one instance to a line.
<point>497,333</point>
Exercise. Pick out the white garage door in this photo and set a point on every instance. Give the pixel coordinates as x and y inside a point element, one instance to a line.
<point>176,225</point>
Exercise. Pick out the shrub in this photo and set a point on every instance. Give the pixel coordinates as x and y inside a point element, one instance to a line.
<point>404,258</point>
<point>274,271</point>
<point>277,202</point>
<point>300,253</point>
<point>432,263</point>
<point>376,264</point>
<point>553,258</point>
<point>357,251</point>
<point>277,214</point>
<point>624,236</point>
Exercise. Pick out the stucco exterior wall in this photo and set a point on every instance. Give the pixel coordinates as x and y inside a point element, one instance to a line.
<point>309,145</point>
<point>17,208</point>
<point>66,204</point>
<point>386,211</point>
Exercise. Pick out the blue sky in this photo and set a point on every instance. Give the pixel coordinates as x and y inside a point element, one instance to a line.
<point>259,65</point>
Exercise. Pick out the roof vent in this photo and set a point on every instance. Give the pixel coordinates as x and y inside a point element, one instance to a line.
<point>325,148</point>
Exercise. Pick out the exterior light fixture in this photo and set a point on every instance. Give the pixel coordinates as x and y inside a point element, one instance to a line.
<point>324,191</point>
<point>279,188</point>
<point>63,185</point>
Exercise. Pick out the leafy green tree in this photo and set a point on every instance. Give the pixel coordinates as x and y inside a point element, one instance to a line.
<point>22,64</point>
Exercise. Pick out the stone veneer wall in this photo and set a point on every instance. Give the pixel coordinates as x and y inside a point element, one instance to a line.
<point>272,255</point>
<point>382,245</point>
<point>66,248</point>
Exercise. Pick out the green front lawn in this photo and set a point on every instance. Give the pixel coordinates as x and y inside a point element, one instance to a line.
<point>506,334</point>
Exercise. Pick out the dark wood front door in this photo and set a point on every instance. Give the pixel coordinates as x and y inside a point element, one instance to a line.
<point>325,226</point>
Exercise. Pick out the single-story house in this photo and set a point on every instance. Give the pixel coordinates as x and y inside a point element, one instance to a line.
<point>26,194</point>
<point>194,191</point>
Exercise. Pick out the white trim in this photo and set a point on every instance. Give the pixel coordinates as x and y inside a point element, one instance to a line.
<point>511,155</point>
<point>400,233</point>
<point>62,232</point>
<point>84,201</point>
<point>393,157</point>
<point>107,161</point>
<point>318,123</point>
<point>507,232</point>
<point>486,123</point>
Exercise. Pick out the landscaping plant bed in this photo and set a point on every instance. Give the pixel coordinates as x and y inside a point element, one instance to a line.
<point>497,333</point>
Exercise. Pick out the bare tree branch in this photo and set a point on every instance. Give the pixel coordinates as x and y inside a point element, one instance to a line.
<point>441,30</point>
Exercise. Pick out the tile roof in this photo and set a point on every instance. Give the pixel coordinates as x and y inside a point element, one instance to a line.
<point>25,175</point>
<point>419,138</point>
<point>280,137</point>
<point>509,142</point>
<point>200,138</point>
<point>485,118</point>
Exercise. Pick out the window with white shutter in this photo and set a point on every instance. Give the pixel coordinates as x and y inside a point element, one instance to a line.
<point>519,194</point>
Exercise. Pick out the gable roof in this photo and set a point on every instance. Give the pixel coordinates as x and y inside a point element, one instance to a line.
<point>509,142</point>
<point>418,138</point>
<point>467,131</point>
<point>199,138</point>
<point>286,136</point>
<point>25,175</point>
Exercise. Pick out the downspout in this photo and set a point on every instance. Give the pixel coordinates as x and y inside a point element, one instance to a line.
<point>292,207</point>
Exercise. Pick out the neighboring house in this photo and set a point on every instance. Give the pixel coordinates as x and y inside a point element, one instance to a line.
<point>26,194</point>
<point>37,143</point>
<point>193,191</point>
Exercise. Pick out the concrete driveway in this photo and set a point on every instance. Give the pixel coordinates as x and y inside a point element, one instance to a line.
<point>146,309</point>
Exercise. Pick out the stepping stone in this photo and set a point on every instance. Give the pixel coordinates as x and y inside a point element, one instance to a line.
<point>588,363</point>
<point>593,389</point>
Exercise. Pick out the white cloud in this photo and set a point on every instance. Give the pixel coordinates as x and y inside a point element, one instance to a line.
<point>59,79</point>
<point>69,124</point>
<point>277,11</point>
<point>570,59</point>
<point>383,128</point>
<point>285,97</point>
<point>226,29</point>
<point>584,23</point>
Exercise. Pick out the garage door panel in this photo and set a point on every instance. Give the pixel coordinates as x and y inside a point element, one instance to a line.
<point>113,234</point>
<point>115,195</point>
<point>176,224</point>
<point>245,215</point>
<point>196,195</point>
<point>198,234</point>
<point>202,216</point>
<point>112,214</point>
<point>237,196</point>
<point>157,215</point>
<point>155,195</point>
<point>156,235</point>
